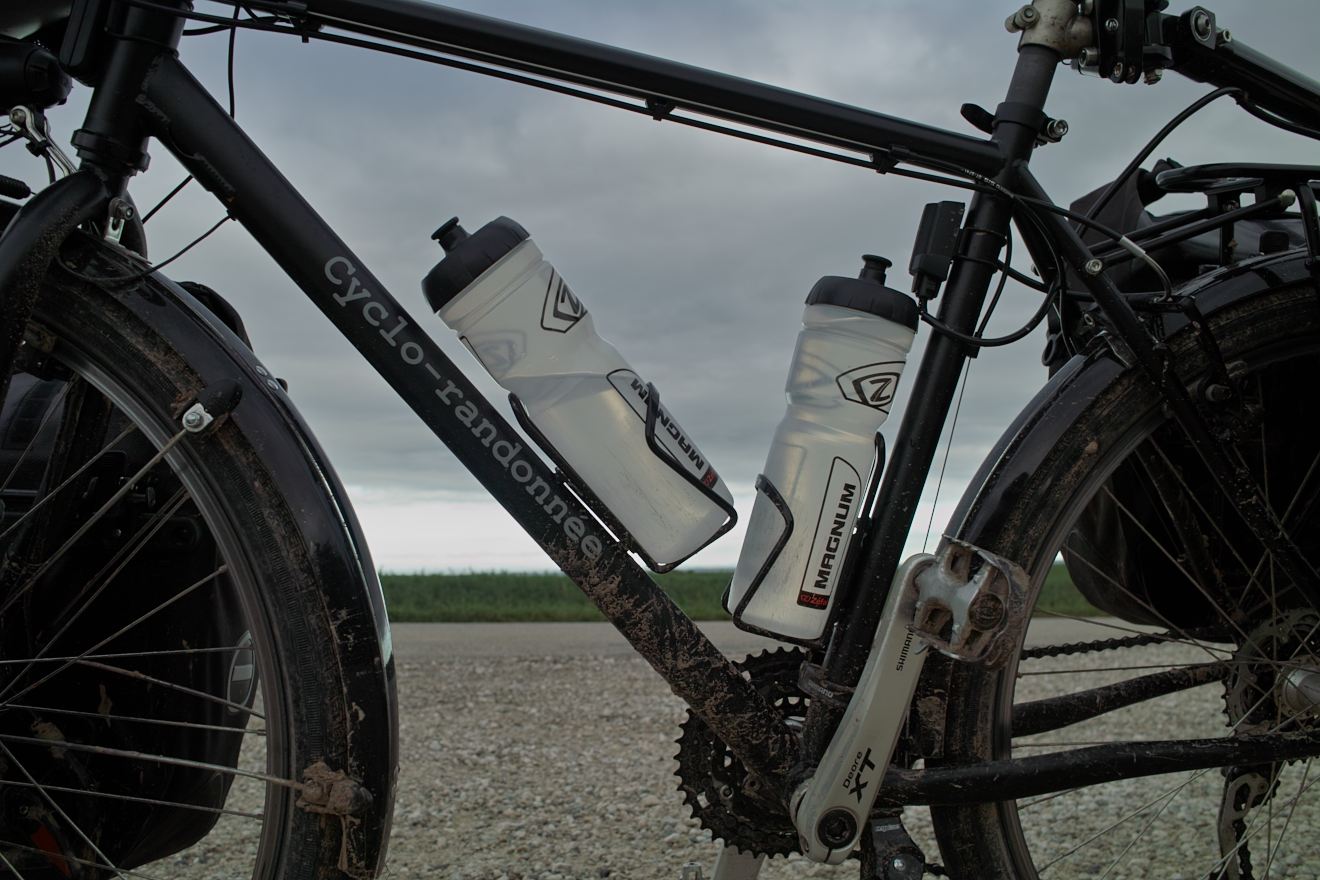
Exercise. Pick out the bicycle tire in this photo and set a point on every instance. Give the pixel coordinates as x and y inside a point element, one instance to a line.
<point>1266,339</point>
<point>138,356</point>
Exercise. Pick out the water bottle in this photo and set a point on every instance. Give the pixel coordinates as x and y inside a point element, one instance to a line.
<point>856,334</point>
<point>576,395</point>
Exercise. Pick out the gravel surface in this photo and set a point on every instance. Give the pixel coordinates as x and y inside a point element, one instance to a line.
<point>546,753</point>
<point>552,766</point>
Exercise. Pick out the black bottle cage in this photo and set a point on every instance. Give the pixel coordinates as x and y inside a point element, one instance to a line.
<point>768,489</point>
<point>599,508</point>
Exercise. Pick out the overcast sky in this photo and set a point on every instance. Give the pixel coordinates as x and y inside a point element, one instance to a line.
<point>693,251</point>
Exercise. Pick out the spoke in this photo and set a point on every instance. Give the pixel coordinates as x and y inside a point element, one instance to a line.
<point>1261,824</point>
<point>95,517</point>
<point>111,570</point>
<point>1274,850</point>
<point>1281,664</point>
<point>137,719</point>
<point>84,792</point>
<point>18,765</point>
<point>1047,797</point>
<point>1131,668</point>
<point>1176,564</point>
<point>77,861</point>
<point>167,652</point>
<point>1213,521</point>
<point>1137,838</point>
<point>123,435</point>
<point>110,638</point>
<point>36,435</point>
<point>11,868</point>
<point>169,685</point>
<point>1100,742</point>
<point>1168,793</point>
<point>1134,597</point>
<point>129,754</point>
<point>1297,497</point>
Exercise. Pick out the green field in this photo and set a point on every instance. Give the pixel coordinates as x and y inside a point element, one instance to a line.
<point>509,596</point>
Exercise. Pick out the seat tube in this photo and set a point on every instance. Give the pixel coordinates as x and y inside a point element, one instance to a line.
<point>983,236</point>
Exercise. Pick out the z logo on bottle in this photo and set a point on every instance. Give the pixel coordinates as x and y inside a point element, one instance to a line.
<point>562,310</point>
<point>873,385</point>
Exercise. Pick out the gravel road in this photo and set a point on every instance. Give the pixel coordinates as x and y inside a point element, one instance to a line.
<point>546,751</point>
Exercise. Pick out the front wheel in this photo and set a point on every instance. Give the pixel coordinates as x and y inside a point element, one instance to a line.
<point>181,696</point>
<point>1176,600</point>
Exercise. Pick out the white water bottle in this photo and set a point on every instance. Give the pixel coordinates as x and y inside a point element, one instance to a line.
<point>855,338</point>
<point>589,408</point>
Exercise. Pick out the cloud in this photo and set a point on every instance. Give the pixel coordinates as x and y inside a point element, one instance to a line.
<point>694,252</point>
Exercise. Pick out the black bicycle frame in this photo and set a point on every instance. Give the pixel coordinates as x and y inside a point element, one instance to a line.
<point>153,94</point>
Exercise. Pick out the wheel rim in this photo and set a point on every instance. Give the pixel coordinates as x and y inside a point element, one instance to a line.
<point>1173,822</point>
<point>50,829</point>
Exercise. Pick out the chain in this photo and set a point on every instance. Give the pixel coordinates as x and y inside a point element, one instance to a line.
<point>1244,854</point>
<point>1088,647</point>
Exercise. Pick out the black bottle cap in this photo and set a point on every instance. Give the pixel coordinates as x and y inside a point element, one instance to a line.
<point>866,293</point>
<point>467,256</point>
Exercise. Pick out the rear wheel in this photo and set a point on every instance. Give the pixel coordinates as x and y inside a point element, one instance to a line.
<point>171,679</point>
<point>1124,505</point>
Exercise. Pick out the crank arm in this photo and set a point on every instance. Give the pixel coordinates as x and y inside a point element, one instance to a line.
<point>830,809</point>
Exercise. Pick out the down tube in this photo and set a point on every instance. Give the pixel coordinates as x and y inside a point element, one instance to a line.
<point>188,121</point>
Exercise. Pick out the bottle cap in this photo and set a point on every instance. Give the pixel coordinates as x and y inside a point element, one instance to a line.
<point>468,256</point>
<point>866,293</point>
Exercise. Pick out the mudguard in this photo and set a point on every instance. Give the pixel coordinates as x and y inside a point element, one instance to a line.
<point>1051,414</point>
<point>343,566</point>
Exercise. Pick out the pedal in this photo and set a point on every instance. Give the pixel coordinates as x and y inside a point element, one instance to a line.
<point>971,604</point>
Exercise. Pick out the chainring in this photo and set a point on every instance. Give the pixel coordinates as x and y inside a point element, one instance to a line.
<point>725,798</point>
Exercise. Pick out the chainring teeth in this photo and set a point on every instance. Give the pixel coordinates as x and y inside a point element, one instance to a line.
<point>718,803</point>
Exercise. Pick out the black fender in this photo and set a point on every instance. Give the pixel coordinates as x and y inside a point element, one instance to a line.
<point>1052,413</point>
<point>1050,416</point>
<point>345,573</point>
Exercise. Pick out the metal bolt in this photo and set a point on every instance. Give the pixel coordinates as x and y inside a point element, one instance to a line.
<point>1029,14</point>
<point>1154,76</point>
<point>904,868</point>
<point>1201,24</point>
<point>1111,24</point>
<point>1217,393</point>
<point>1056,129</point>
<point>986,611</point>
<point>1094,267</point>
<point>1089,58</point>
<point>1117,72</point>
<point>1225,36</point>
<point>192,420</point>
<point>837,828</point>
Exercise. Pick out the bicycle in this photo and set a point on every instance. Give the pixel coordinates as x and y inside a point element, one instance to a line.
<point>151,440</point>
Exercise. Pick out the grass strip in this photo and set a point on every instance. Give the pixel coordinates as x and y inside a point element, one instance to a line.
<point>527,596</point>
